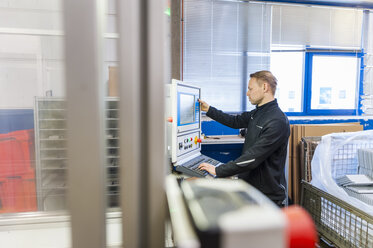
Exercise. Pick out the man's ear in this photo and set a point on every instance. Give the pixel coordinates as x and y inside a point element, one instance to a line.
<point>265,87</point>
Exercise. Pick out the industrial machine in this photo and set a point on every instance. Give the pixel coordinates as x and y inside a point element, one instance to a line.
<point>224,213</point>
<point>184,129</point>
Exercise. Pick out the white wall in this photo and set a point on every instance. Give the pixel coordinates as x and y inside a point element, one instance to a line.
<point>32,50</point>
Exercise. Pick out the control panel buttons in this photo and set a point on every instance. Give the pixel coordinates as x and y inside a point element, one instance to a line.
<point>187,143</point>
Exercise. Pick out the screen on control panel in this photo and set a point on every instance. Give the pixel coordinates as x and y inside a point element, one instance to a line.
<point>187,104</point>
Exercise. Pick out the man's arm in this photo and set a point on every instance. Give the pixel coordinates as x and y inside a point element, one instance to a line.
<point>233,121</point>
<point>274,135</point>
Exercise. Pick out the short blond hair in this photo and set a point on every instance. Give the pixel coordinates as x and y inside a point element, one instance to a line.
<point>266,76</point>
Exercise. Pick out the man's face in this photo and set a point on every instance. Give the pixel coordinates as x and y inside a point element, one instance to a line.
<point>255,91</point>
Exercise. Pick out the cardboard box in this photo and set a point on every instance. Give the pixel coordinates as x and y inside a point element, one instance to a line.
<point>309,130</point>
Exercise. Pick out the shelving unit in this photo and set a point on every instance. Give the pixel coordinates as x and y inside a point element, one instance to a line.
<point>112,154</point>
<point>51,156</point>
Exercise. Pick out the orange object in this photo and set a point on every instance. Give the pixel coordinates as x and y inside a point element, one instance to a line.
<point>18,194</point>
<point>170,119</point>
<point>15,153</point>
<point>197,140</point>
<point>17,173</point>
<point>301,231</point>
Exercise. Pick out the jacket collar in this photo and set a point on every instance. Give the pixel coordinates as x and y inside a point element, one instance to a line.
<point>267,105</point>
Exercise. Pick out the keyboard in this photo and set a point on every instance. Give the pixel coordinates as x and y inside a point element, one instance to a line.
<point>190,168</point>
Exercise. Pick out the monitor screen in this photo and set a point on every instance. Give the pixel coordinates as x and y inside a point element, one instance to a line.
<point>187,109</point>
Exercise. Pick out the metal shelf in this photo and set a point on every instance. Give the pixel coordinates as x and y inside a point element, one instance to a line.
<point>52,149</point>
<point>50,144</point>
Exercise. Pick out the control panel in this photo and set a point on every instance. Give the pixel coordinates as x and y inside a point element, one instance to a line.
<point>183,120</point>
<point>188,142</point>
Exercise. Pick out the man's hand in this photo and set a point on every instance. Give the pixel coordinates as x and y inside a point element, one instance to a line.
<point>208,167</point>
<point>204,106</point>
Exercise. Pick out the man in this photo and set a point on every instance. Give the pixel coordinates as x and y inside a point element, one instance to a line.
<point>264,152</point>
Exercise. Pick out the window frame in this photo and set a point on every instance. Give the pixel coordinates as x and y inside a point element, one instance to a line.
<point>307,93</point>
<point>307,84</point>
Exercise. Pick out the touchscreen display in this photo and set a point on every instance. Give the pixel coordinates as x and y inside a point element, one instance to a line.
<point>187,108</point>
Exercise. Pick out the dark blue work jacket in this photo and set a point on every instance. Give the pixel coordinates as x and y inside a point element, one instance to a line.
<point>264,152</point>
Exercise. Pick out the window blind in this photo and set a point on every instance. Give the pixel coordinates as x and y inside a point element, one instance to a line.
<point>316,26</point>
<point>224,41</point>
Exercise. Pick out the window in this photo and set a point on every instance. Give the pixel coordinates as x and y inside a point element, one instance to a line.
<point>333,83</point>
<point>317,83</point>
<point>288,69</point>
<point>225,41</point>
<point>312,58</point>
